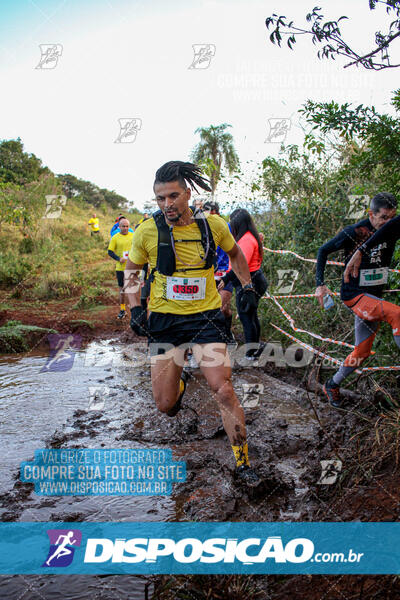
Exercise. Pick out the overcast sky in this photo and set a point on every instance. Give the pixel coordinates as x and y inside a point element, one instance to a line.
<point>129,59</point>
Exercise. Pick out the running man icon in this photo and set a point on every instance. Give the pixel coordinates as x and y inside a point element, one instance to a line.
<point>60,555</point>
<point>62,351</point>
<point>62,550</point>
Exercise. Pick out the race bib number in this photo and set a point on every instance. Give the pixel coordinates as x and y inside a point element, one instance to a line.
<point>184,288</point>
<point>373,276</point>
<point>218,275</point>
<point>125,254</point>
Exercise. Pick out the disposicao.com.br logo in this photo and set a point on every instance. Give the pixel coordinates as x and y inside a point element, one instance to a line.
<point>248,551</point>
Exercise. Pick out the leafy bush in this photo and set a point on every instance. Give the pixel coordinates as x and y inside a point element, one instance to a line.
<point>26,245</point>
<point>92,296</point>
<point>13,268</point>
<point>54,285</point>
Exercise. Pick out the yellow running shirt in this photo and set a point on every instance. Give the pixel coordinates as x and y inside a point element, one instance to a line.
<point>94,223</point>
<point>186,292</point>
<point>120,244</point>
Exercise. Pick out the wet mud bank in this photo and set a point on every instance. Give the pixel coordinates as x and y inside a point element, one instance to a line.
<point>25,326</point>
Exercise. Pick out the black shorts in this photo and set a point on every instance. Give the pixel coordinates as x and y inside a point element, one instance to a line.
<point>199,328</point>
<point>120,278</point>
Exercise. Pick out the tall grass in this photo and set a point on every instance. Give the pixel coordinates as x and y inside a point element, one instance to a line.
<point>57,258</point>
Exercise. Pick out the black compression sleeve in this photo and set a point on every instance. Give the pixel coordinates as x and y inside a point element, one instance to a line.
<point>227,278</point>
<point>322,257</point>
<point>113,255</point>
<point>389,232</point>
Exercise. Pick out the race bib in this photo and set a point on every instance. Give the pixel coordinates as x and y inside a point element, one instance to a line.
<point>218,275</point>
<point>186,288</point>
<point>125,254</point>
<point>373,276</point>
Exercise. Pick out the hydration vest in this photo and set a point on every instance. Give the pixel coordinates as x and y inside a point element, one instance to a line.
<point>166,261</point>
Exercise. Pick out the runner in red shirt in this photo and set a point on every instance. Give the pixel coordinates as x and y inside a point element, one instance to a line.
<point>248,239</point>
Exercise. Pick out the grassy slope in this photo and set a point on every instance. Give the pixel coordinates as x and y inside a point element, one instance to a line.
<point>60,273</point>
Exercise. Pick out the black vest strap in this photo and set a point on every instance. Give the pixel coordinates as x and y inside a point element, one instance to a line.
<point>166,262</point>
<point>165,252</point>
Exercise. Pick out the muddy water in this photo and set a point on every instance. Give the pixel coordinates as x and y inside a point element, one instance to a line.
<point>42,408</point>
<point>104,400</point>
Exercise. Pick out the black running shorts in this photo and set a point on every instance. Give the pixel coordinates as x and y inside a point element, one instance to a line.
<point>199,328</point>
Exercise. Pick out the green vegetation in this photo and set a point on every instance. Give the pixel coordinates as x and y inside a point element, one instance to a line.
<point>44,258</point>
<point>25,183</point>
<point>16,337</point>
<point>303,198</point>
<point>55,258</point>
<point>92,295</point>
<point>215,151</point>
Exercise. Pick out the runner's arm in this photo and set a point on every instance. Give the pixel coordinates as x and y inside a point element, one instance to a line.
<point>239,265</point>
<point>111,250</point>
<point>388,232</point>
<point>333,245</point>
<point>132,283</point>
<point>113,255</point>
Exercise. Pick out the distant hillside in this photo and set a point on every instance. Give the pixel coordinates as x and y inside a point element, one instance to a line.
<point>19,169</point>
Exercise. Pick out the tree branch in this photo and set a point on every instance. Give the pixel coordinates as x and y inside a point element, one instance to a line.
<point>384,45</point>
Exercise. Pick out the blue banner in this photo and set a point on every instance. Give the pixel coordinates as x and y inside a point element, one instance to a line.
<point>206,548</point>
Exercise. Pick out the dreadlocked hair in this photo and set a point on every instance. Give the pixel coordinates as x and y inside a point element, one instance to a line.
<point>176,170</point>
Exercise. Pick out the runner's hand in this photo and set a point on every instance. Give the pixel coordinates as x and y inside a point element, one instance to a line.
<point>320,292</point>
<point>139,321</point>
<point>353,266</point>
<point>221,285</point>
<point>248,301</point>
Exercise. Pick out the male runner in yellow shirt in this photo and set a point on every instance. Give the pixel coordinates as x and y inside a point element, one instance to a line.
<point>118,249</point>
<point>94,224</point>
<point>184,302</point>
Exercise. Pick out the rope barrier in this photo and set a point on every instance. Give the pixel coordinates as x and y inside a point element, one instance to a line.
<point>333,360</point>
<point>314,260</point>
<point>310,348</point>
<point>315,335</point>
<point>315,295</point>
<point>303,295</point>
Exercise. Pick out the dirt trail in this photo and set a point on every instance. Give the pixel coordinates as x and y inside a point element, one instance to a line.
<point>286,445</point>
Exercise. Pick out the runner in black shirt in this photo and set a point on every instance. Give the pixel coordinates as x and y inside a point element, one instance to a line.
<point>362,291</point>
<point>389,233</point>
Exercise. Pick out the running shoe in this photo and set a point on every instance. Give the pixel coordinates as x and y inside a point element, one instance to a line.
<point>178,405</point>
<point>260,349</point>
<point>255,353</point>
<point>121,314</point>
<point>247,475</point>
<point>332,392</point>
